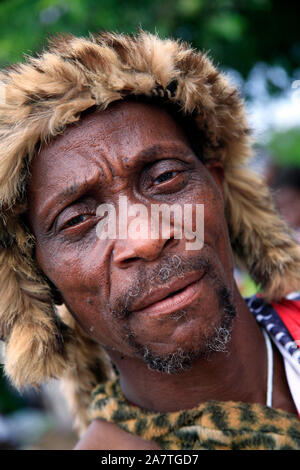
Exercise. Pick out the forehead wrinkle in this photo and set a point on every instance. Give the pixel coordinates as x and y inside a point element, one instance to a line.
<point>164,150</point>
<point>86,132</point>
<point>82,149</point>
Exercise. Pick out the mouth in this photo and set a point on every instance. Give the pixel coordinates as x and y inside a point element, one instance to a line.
<point>178,295</point>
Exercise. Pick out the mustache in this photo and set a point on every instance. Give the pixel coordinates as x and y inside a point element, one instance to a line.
<point>170,268</point>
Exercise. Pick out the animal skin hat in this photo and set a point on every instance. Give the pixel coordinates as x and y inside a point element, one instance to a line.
<point>43,96</point>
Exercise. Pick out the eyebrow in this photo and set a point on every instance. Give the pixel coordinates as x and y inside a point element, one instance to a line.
<point>73,189</point>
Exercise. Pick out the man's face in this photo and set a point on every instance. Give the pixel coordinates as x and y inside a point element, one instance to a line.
<point>137,151</point>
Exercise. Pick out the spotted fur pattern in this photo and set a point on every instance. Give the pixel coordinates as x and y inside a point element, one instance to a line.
<point>210,426</point>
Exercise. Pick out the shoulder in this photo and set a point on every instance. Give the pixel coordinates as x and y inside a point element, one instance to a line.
<point>102,435</point>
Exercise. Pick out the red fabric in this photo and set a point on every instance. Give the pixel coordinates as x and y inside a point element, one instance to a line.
<point>289,312</point>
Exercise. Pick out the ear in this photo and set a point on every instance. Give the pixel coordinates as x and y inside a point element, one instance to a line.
<point>216,170</point>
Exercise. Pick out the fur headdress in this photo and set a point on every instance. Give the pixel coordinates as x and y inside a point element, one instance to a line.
<point>45,94</point>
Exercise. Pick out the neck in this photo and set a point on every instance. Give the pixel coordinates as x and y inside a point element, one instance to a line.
<point>240,374</point>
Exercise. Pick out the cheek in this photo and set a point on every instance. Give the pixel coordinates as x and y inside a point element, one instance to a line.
<point>207,208</point>
<point>66,269</point>
<point>203,190</point>
<point>82,280</point>
<point>60,266</point>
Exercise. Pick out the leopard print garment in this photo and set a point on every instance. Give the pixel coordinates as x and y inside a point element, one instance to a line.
<point>212,425</point>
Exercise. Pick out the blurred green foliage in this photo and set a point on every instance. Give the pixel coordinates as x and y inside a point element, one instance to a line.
<point>285,147</point>
<point>237,32</point>
<point>10,399</point>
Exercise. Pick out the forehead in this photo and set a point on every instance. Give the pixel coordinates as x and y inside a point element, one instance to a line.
<point>117,134</point>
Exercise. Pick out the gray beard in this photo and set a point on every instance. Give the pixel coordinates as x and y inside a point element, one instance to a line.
<point>181,360</point>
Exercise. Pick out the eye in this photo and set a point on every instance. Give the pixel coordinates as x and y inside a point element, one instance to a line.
<point>76,220</point>
<point>165,177</point>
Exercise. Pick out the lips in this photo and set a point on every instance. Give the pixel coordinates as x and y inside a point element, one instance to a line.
<point>172,297</point>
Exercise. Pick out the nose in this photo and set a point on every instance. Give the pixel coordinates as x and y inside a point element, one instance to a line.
<point>129,251</point>
<point>142,237</point>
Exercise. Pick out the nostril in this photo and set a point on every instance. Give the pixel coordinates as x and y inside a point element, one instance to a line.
<point>128,253</point>
<point>129,260</point>
<point>169,242</point>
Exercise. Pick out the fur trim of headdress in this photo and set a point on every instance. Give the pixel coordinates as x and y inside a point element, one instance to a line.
<point>45,94</point>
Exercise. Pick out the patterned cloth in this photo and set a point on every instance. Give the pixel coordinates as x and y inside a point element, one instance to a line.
<point>212,425</point>
<point>270,319</point>
<point>282,322</point>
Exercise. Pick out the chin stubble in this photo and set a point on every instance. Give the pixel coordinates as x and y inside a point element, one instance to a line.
<point>180,360</point>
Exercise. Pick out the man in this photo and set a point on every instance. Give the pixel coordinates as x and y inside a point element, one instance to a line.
<point>91,122</point>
